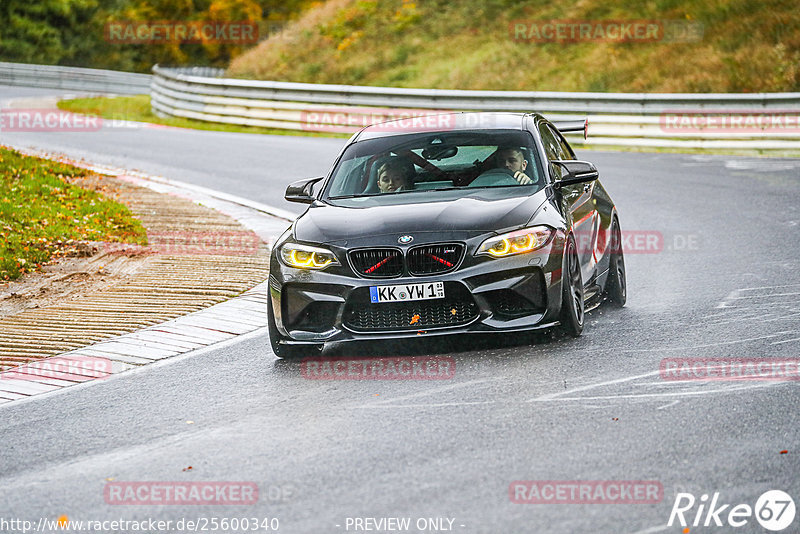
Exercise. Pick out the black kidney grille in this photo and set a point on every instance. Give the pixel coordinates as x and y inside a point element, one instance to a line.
<point>431,259</point>
<point>377,262</point>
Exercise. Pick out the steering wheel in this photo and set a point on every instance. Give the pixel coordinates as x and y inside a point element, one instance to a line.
<point>494,177</point>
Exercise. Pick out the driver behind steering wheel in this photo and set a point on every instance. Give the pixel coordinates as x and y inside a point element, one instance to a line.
<point>513,159</point>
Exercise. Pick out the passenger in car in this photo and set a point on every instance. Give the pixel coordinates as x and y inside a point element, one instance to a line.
<point>396,174</point>
<point>513,159</point>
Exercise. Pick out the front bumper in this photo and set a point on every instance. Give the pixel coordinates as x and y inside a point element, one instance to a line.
<point>483,295</point>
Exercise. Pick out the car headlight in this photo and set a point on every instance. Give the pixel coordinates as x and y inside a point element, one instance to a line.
<point>307,257</point>
<point>517,242</point>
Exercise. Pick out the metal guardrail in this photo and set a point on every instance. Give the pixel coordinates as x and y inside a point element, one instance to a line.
<point>74,78</point>
<point>633,119</point>
<point>636,119</point>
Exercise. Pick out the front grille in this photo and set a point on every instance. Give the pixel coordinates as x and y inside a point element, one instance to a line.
<point>457,308</point>
<point>377,262</point>
<point>410,315</point>
<point>434,259</point>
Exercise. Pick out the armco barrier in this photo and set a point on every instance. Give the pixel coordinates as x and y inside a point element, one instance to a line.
<point>634,119</point>
<point>73,78</point>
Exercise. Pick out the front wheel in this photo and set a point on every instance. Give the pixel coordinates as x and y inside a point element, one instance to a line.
<point>572,307</point>
<point>288,352</point>
<point>616,285</point>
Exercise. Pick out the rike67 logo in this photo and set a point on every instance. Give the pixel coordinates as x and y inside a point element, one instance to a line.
<point>774,510</point>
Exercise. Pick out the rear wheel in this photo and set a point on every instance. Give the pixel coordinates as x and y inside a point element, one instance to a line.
<point>616,285</point>
<point>288,352</point>
<point>572,307</point>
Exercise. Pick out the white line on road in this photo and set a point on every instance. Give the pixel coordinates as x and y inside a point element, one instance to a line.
<point>652,530</point>
<point>554,396</point>
<point>432,405</point>
<point>750,385</point>
<point>691,347</point>
<point>785,341</point>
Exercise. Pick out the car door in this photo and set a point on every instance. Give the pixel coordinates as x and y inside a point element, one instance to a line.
<point>576,200</point>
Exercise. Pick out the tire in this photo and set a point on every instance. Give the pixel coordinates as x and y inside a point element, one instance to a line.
<point>288,352</point>
<point>616,288</point>
<point>572,305</point>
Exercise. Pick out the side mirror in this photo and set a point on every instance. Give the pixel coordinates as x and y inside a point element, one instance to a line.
<point>302,190</point>
<point>578,172</point>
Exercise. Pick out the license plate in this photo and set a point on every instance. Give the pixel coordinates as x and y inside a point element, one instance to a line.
<point>402,293</point>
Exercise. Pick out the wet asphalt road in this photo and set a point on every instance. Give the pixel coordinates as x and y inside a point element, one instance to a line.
<point>726,284</point>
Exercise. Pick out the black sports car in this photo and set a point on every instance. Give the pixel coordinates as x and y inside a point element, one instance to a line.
<point>459,223</point>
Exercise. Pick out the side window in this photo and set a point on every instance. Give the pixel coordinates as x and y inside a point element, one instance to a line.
<point>566,150</point>
<point>553,148</point>
<point>552,145</point>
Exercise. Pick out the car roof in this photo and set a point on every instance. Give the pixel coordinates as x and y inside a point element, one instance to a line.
<point>438,122</point>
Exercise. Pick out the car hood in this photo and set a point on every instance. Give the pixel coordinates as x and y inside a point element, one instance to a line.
<point>450,219</point>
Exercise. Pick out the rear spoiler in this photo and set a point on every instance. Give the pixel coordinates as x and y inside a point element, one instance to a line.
<point>580,125</point>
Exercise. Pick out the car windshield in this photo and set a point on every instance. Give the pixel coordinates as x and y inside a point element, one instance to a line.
<point>437,165</point>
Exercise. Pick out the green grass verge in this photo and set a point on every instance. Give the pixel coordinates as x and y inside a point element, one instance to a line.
<point>42,215</point>
<point>137,108</point>
<point>713,46</point>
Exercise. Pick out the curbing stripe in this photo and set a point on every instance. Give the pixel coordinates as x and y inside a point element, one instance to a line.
<point>220,323</point>
<point>124,359</point>
<point>228,327</point>
<point>118,349</point>
<point>24,387</point>
<point>166,339</point>
<point>203,335</point>
<point>7,396</point>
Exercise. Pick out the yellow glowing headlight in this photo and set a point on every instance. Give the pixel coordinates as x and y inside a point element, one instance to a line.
<point>307,257</point>
<point>518,242</point>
